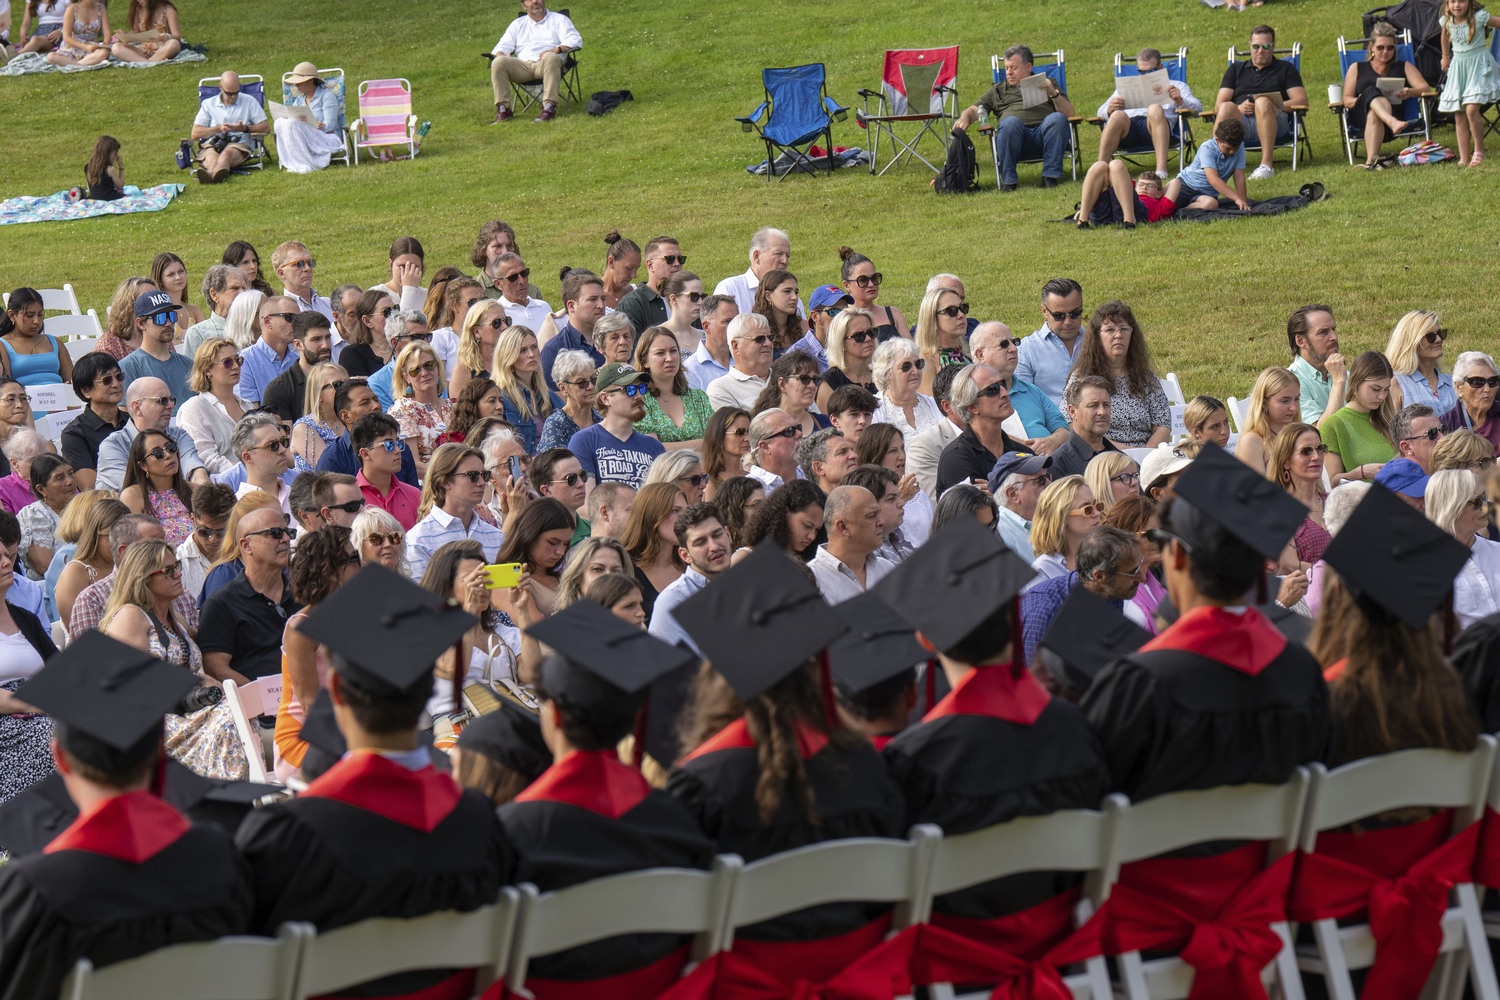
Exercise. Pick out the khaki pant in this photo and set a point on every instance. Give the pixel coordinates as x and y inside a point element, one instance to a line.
<point>507,69</point>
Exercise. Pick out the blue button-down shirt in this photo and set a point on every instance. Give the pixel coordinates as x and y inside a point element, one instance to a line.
<point>258,366</point>
<point>1015,532</point>
<point>702,368</point>
<point>1313,388</point>
<point>810,344</point>
<point>663,625</point>
<point>1040,605</point>
<point>324,106</point>
<point>567,339</point>
<point>380,384</point>
<point>1039,415</point>
<point>440,527</point>
<point>244,108</point>
<point>1044,361</point>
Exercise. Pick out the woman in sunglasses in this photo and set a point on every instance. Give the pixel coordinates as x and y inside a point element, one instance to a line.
<point>677,415</point>
<point>154,485</point>
<point>1415,351</point>
<point>682,468</point>
<point>776,300</point>
<point>367,350</point>
<point>1065,514</point>
<point>211,415</point>
<point>573,371</point>
<point>726,441</point>
<point>1296,465</point>
<point>942,322</point>
<point>452,493</point>
<point>379,538</point>
<point>851,344</point>
<point>1456,503</point>
<point>898,368</point>
<point>793,387</point>
<point>319,426</point>
<point>479,332</point>
<point>421,412</point>
<point>1476,381</point>
<point>1114,348</point>
<point>862,282</point>
<point>683,291</point>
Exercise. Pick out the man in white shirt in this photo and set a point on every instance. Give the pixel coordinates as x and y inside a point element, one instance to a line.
<point>770,249</point>
<point>532,48</point>
<point>712,358</point>
<point>846,565</point>
<point>751,346</point>
<point>1156,124</point>
<point>457,492</point>
<point>227,121</point>
<point>294,265</point>
<point>924,450</point>
<point>149,403</point>
<point>512,277</point>
<point>704,544</point>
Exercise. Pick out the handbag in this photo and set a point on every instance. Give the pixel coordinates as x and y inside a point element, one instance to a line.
<point>1424,152</point>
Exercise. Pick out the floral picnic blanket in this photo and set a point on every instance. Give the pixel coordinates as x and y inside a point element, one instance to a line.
<point>55,207</point>
<point>36,62</point>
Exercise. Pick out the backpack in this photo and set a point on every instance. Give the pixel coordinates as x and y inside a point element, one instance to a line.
<point>602,102</point>
<point>960,169</point>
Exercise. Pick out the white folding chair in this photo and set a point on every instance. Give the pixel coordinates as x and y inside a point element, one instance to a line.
<point>73,325</point>
<point>1172,388</point>
<point>1138,455</point>
<point>51,426</point>
<point>1239,412</point>
<point>54,299</point>
<point>259,697</point>
<point>59,635</point>
<point>1178,412</point>
<point>384,946</point>
<point>657,900</point>
<point>1069,841</point>
<point>1430,778</point>
<point>1167,823</point>
<point>231,968</point>
<point>79,346</point>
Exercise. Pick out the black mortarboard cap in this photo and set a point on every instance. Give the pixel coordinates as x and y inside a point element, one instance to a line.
<point>510,735</point>
<point>950,585</point>
<point>1397,564</point>
<point>1086,633</point>
<point>108,699</point>
<point>879,645</point>
<point>599,657</point>
<point>759,621</point>
<point>1249,506</point>
<point>385,631</point>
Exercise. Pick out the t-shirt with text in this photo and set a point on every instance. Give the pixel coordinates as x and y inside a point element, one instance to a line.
<point>607,458</point>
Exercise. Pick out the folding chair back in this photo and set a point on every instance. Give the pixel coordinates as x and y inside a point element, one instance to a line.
<point>908,74</point>
<point>59,635</point>
<point>381,947</point>
<point>53,300</point>
<point>231,968</point>
<point>1412,109</point>
<point>1173,388</point>
<point>682,901</point>
<point>385,116</point>
<point>252,85</point>
<point>52,397</point>
<point>333,79</point>
<point>1054,66</point>
<point>1297,141</point>
<point>1175,63</point>
<point>71,325</point>
<point>800,111</point>
<point>248,701</point>
<point>79,346</point>
<point>1239,412</point>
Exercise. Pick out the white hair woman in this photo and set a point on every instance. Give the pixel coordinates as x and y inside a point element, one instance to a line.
<point>897,369</point>
<point>1476,380</point>
<point>20,448</point>
<point>573,373</point>
<point>242,324</point>
<point>682,467</point>
<point>1456,502</point>
<point>379,538</point>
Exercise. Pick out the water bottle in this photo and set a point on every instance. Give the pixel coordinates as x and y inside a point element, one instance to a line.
<point>422,131</point>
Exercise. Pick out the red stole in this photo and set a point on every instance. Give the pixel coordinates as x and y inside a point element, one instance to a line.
<point>369,781</point>
<point>736,735</point>
<point>999,691</point>
<point>590,779</point>
<point>133,827</point>
<point>1245,642</point>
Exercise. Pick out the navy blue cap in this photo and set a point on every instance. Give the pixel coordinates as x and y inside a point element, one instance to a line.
<point>1016,462</point>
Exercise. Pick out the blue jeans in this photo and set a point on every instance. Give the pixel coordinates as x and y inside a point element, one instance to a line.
<point>1014,142</point>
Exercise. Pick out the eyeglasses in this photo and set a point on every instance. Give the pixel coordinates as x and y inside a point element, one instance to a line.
<point>229,363</point>
<point>274,445</point>
<point>113,378</point>
<point>787,432</point>
<point>1436,336</point>
<point>694,481</point>
<point>866,280</point>
<point>1257,47</point>
<point>573,479</point>
<point>807,380</point>
<point>673,258</point>
<point>352,507</point>
<point>307,263</point>
<point>276,534</point>
<point>1087,510</point>
<point>500,323</point>
<point>1127,479</point>
<point>13,399</point>
<point>286,316</point>
<point>1475,382</point>
<point>1058,317</point>
<point>1038,481</point>
<point>992,390</point>
<point>165,318</point>
<point>1432,434</point>
<point>1131,572</point>
<point>394,538</point>
<point>520,275</point>
<point>166,401</point>
<point>694,296</point>
<point>474,476</point>
<point>426,366</point>
<point>962,309</point>
<point>907,366</point>
<point>213,534</point>
<point>161,451</point>
<point>171,572</point>
<point>861,336</point>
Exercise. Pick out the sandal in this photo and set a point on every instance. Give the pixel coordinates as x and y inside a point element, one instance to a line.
<point>1476,159</point>
<point>1370,166</point>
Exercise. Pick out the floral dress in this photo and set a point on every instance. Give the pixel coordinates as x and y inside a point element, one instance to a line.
<point>158,23</point>
<point>424,421</point>
<point>167,507</point>
<point>696,411</point>
<point>306,463</point>
<point>38,523</point>
<point>85,33</point>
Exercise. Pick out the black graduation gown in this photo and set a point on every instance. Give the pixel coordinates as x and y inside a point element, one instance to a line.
<point>29,820</point>
<point>854,795</point>
<point>1217,699</point>
<point>372,838</point>
<point>996,748</point>
<point>1476,657</point>
<point>130,876</point>
<point>589,816</point>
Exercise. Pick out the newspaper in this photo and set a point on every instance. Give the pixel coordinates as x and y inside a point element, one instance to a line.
<point>1034,90</point>
<point>1144,89</point>
<point>298,113</point>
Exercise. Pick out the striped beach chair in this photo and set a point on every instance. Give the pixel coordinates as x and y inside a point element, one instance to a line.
<point>385,117</point>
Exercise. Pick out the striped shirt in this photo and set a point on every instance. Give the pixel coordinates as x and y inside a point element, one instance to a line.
<point>440,527</point>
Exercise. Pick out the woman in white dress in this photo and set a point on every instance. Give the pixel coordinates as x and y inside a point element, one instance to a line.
<point>302,148</point>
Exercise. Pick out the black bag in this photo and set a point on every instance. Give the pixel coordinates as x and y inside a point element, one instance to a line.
<point>960,169</point>
<point>602,102</point>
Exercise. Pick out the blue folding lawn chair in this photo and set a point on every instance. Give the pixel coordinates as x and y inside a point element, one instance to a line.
<point>252,85</point>
<point>1052,64</point>
<point>1413,108</point>
<point>1182,142</point>
<point>1296,139</point>
<point>797,111</point>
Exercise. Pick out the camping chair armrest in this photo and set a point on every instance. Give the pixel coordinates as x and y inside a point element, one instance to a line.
<point>834,109</point>
<point>356,127</point>
<point>488,55</point>
<point>1096,120</point>
<point>1429,92</point>
<point>1296,109</point>
<point>944,89</point>
<point>1075,119</point>
<point>867,92</point>
<point>753,117</point>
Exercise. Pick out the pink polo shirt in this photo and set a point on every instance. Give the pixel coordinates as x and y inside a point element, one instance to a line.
<point>15,493</point>
<point>401,502</point>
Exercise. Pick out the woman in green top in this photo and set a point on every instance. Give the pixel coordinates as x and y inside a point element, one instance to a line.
<point>1359,435</point>
<point>675,413</point>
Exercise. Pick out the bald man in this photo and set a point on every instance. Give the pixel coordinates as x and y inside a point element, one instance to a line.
<point>149,403</point>
<point>846,565</point>
<point>224,127</point>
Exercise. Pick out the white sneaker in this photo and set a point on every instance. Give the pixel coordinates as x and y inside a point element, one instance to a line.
<point>1262,172</point>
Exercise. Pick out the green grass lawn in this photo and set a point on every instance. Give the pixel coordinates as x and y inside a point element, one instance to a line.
<point>1213,298</point>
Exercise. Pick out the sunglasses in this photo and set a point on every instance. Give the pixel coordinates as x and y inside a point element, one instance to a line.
<point>807,380</point>
<point>738,432</point>
<point>352,507</point>
<point>674,258</point>
<point>573,479</point>
<point>907,366</point>
<point>1475,382</point>
<point>1041,480</point>
<point>161,451</point>
<point>421,338</point>
<point>167,401</point>
<point>1160,537</point>
<point>426,366</point>
<point>578,383</point>
<point>301,264</point>
<point>171,572</point>
<point>274,445</point>
<point>389,444</point>
<point>952,312</point>
<point>829,311</point>
<point>866,280</point>
<point>758,340</point>
<point>276,534</point>
<point>787,432</point>
<point>1436,336</point>
<point>694,481</point>
<point>1005,345</point>
<point>1058,317</point>
<point>633,389</point>
<point>1322,449</point>
<point>291,316</point>
<point>520,275</point>
<point>861,336</point>
<point>1087,510</point>
<point>1478,503</point>
<point>165,318</point>
<point>1127,479</point>
<point>695,296</point>
<point>1432,434</point>
<point>500,323</point>
<point>229,363</point>
<point>350,559</point>
<point>992,390</point>
<point>474,476</point>
<point>394,538</point>
<point>216,534</point>
<point>1261,48</point>
<point>114,378</point>
<point>386,312</point>
<point>14,399</point>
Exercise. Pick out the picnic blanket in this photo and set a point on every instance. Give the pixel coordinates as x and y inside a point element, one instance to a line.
<point>1226,209</point>
<point>36,62</point>
<point>56,207</point>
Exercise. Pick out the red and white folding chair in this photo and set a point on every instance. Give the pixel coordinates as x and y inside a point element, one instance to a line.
<point>385,117</point>
<point>917,87</point>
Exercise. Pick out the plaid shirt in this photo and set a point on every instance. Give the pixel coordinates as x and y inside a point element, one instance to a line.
<point>1040,605</point>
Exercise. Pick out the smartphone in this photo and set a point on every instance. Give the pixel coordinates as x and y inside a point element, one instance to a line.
<point>502,576</point>
<point>517,473</point>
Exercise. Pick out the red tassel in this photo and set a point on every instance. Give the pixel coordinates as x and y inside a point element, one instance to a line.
<point>830,706</point>
<point>641,724</point>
